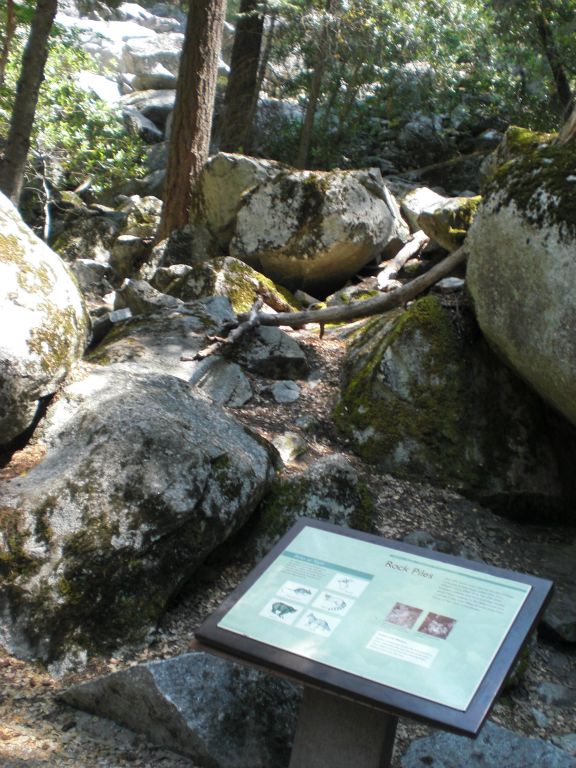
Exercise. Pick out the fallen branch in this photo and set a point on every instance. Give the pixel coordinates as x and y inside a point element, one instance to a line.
<point>253,320</point>
<point>389,269</point>
<point>375,306</point>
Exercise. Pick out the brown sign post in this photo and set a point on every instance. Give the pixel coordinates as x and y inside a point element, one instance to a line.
<point>375,629</point>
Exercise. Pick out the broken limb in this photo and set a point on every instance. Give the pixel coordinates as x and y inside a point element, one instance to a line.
<point>252,321</point>
<point>375,306</point>
<point>389,269</point>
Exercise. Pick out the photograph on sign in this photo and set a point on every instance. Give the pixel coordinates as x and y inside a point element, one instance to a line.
<point>381,613</point>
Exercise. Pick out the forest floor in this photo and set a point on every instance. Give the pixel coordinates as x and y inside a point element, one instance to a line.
<point>38,730</point>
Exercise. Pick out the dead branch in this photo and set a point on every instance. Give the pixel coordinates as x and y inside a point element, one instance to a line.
<point>389,269</point>
<point>218,343</point>
<point>370,307</point>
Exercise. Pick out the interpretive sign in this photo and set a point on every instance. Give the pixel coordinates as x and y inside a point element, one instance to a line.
<point>415,632</point>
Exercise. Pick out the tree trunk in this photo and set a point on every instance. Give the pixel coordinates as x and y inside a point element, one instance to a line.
<point>13,164</point>
<point>192,123</point>
<point>8,37</point>
<point>236,121</point>
<point>568,131</point>
<point>552,54</point>
<point>315,90</point>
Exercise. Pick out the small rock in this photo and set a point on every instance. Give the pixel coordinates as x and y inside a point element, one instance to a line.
<point>556,695</point>
<point>285,391</point>
<point>540,718</point>
<point>449,285</point>
<point>290,446</point>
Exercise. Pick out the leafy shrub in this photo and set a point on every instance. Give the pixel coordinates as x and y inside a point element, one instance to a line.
<point>76,136</point>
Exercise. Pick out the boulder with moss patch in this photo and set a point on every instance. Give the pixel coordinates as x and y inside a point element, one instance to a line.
<point>448,221</point>
<point>424,396</point>
<point>522,270</point>
<point>315,230</point>
<point>329,489</point>
<point>140,481</point>
<point>223,277</point>
<point>44,322</point>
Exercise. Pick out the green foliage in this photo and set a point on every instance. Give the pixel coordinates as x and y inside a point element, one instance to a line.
<point>467,63</point>
<point>76,135</point>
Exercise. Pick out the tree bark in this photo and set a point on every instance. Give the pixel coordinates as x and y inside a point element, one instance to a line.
<point>568,131</point>
<point>236,121</point>
<point>13,164</point>
<point>315,91</point>
<point>8,37</point>
<point>192,123</point>
<point>555,62</point>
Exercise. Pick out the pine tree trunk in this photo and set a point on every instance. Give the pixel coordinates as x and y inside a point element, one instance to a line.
<point>13,164</point>
<point>236,121</point>
<point>314,94</point>
<point>192,123</point>
<point>9,31</point>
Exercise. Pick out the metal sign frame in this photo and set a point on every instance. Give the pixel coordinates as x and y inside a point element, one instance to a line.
<point>389,699</point>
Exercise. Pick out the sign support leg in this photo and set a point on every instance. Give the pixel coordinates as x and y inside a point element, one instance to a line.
<point>334,732</point>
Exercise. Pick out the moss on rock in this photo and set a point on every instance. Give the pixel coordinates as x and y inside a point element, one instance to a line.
<point>539,177</point>
<point>425,397</point>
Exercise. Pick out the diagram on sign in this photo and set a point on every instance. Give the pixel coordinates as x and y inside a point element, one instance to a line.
<point>349,585</point>
<point>335,604</point>
<point>318,624</point>
<point>281,611</point>
<point>301,593</point>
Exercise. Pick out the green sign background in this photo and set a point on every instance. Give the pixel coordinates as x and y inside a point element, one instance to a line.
<point>418,625</point>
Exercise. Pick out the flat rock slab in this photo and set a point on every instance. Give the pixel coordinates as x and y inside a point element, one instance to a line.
<point>220,714</point>
<point>495,747</point>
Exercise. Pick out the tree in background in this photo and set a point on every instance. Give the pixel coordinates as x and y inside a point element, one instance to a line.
<point>242,88</point>
<point>315,89</point>
<point>541,37</point>
<point>13,163</point>
<point>192,121</point>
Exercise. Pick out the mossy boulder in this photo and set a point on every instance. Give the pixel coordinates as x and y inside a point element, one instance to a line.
<point>45,326</point>
<point>447,222</point>
<point>329,490</point>
<point>140,481</point>
<point>223,277</point>
<point>314,231</point>
<point>521,268</point>
<point>425,397</point>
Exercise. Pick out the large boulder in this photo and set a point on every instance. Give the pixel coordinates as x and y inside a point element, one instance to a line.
<point>44,323</point>
<point>522,270</point>
<point>224,179</point>
<point>315,230</point>
<point>220,714</point>
<point>140,480</point>
<point>425,397</point>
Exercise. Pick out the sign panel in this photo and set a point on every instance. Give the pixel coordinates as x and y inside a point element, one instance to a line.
<point>419,623</point>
